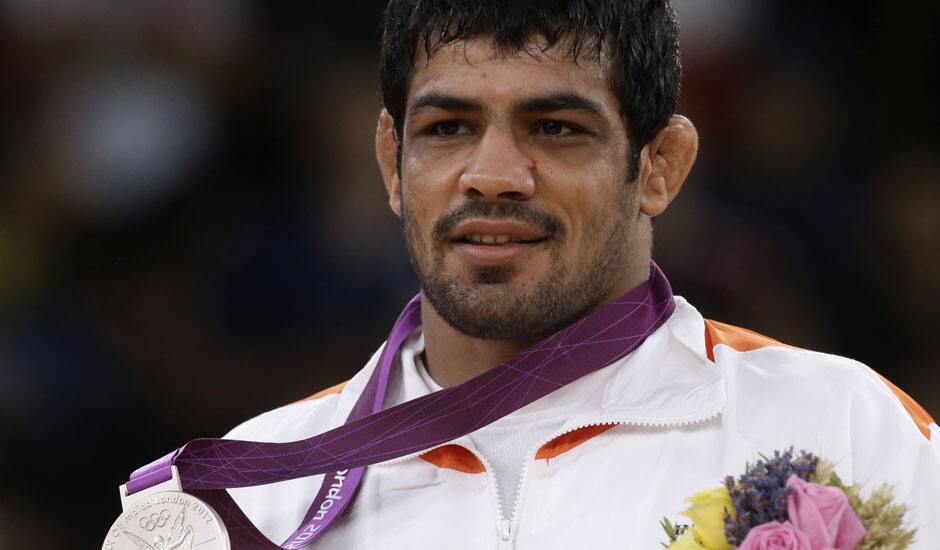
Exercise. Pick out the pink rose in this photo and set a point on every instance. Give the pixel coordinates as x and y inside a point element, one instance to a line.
<point>775,536</point>
<point>824,515</point>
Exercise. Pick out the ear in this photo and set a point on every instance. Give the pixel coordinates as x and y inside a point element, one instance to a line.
<point>664,164</point>
<point>386,153</point>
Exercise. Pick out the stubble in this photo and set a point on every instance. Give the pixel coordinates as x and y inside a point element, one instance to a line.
<point>491,305</point>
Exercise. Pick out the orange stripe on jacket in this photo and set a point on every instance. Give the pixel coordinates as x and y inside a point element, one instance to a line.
<point>570,440</point>
<point>323,393</point>
<point>741,339</point>
<point>737,338</point>
<point>455,457</point>
<point>918,413</point>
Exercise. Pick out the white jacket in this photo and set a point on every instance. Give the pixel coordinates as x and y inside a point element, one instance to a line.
<point>694,403</point>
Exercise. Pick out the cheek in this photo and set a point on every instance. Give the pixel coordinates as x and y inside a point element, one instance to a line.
<point>595,221</point>
<point>421,205</point>
<point>413,165</point>
<point>611,195</point>
<point>414,214</point>
<point>434,164</point>
<point>585,192</point>
<point>429,188</point>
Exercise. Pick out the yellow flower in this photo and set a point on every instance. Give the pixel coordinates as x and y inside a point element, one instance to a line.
<point>686,542</point>
<point>707,512</point>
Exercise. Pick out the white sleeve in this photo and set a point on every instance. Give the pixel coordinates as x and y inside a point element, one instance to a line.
<point>888,447</point>
<point>935,438</point>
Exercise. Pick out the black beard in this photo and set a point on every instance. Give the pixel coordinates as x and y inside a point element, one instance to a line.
<point>489,307</point>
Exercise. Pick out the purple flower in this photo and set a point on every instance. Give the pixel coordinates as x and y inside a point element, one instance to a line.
<point>823,514</point>
<point>760,495</point>
<point>775,536</point>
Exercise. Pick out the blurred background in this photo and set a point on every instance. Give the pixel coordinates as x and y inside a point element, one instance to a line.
<point>193,229</point>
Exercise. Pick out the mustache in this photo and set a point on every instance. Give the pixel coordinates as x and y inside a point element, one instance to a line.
<point>523,212</point>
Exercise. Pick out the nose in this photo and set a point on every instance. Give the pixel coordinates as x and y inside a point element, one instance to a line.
<point>498,170</point>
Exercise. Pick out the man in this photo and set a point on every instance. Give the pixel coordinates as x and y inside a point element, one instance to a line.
<point>527,148</point>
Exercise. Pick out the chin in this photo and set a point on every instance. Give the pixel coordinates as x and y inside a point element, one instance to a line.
<point>490,276</point>
<point>496,306</point>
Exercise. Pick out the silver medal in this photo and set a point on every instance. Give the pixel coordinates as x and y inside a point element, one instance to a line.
<point>160,519</point>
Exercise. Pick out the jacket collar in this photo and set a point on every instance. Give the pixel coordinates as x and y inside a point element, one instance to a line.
<point>666,381</point>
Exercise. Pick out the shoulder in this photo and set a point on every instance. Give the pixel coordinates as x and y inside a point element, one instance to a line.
<point>839,408</point>
<point>321,411</point>
<point>757,364</point>
<point>294,421</point>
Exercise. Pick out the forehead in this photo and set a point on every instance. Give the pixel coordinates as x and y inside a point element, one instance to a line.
<point>475,68</point>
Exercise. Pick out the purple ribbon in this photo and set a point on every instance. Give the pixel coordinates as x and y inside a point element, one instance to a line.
<point>208,466</point>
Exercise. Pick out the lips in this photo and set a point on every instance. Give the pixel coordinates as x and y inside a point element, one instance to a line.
<point>491,243</point>
<point>497,232</point>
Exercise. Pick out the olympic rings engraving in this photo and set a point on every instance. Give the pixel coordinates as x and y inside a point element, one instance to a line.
<point>153,521</point>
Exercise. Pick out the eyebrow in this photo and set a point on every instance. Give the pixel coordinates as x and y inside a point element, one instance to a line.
<point>562,101</point>
<point>446,103</point>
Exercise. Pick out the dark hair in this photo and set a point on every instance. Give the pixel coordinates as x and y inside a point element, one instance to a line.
<point>639,39</point>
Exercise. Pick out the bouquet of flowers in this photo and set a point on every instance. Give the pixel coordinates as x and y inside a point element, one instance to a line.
<point>790,502</point>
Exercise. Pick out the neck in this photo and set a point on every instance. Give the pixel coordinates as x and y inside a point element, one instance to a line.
<point>453,357</point>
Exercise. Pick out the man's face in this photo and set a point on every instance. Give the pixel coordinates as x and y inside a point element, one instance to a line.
<point>515,202</point>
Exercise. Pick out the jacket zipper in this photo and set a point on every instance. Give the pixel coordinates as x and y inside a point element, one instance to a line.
<point>504,524</point>
<point>508,526</point>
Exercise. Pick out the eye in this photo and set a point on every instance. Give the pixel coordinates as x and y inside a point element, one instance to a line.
<point>447,128</point>
<point>555,128</point>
